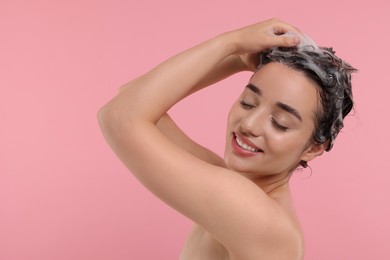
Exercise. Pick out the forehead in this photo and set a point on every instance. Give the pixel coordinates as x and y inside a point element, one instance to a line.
<point>280,83</point>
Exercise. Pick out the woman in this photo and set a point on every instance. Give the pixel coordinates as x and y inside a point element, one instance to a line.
<point>288,114</point>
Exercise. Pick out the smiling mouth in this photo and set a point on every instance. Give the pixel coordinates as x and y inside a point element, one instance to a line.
<point>246,146</point>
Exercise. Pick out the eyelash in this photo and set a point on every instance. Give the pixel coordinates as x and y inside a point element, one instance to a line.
<point>246,105</point>
<point>278,126</point>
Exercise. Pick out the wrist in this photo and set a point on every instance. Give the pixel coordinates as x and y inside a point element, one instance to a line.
<point>227,43</point>
<point>230,48</point>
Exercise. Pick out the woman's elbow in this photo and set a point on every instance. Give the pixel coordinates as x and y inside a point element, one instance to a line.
<point>103,114</point>
<point>116,122</point>
<point>108,120</point>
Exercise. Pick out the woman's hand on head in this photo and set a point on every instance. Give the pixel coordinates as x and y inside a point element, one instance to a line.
<point>255,38</point>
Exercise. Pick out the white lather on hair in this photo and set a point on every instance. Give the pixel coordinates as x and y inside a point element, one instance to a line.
<point>306,42</point>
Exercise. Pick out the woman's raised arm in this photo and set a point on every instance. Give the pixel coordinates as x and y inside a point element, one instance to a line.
<point>178,76</point>
<point>205,193</point>
<point>230,65</point>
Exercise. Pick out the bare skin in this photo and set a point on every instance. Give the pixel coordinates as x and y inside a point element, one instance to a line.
<point>241,204</point>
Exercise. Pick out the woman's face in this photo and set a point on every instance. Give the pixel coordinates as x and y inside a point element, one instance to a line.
<point>271,124</point>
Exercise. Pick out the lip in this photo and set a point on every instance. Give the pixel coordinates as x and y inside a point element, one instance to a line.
<point>241,151</point>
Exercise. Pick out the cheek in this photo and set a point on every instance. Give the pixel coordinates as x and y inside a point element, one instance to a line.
<point>287,144</point>
<point>280,142</point>
<point>234,115</point>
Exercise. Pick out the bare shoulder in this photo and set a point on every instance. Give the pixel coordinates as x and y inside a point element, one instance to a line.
<point>283,239</point>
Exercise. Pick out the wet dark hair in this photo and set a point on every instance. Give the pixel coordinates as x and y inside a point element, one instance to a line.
<point>332,76</point>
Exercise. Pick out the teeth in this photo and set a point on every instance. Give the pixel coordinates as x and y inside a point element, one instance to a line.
<point>245,146</point>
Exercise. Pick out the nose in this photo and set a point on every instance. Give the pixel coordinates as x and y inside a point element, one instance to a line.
<point>253,123</point>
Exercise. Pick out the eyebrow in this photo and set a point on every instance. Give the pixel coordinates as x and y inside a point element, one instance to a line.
<point>281,105</point>
<point>254,89</point>
<point>290,110</point>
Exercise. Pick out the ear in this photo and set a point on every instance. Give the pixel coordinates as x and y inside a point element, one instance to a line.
<point>314,150</point>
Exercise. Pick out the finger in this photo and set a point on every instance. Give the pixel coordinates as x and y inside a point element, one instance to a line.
<point>279,30</point>
<point>281,27</point>
<point>288,35</point>
<point>289,40</point>
<point>284,40</point>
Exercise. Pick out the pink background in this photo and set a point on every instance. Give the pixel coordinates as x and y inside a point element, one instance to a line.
<point>63,193</point>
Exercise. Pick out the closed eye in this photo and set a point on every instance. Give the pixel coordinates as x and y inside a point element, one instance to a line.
<point>278,126</point>
<point>246,105</point>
